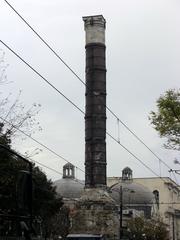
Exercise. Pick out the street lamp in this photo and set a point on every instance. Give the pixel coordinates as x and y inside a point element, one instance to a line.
<point>120,191</point>
<point>120,212</point>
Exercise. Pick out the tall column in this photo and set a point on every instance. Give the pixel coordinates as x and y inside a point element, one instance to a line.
<point>95,117</point>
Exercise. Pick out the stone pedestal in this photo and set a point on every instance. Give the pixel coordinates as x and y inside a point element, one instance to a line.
<point>96,213</point>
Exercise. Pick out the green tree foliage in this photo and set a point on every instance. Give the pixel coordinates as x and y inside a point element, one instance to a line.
<point>14,172</point>
<point>46,203</point>
<point>140,228</point>
<point>167,118</point>
<point>60,224</point>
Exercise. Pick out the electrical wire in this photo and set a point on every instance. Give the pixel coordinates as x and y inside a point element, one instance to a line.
<point>35,71</point>
<point>10,172</point>
<point>132,154</point>
<point>55,53</point>
<point>138,159</point>
<point>76,75</point>
<point>73,104</point>
<point>41,144</point>
<point>71,163</point>
<point>162,203</point>
<point>54,170</point>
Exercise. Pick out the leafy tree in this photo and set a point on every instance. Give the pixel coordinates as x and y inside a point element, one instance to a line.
<point>167,118</point>
<point>46,202</point>
<point>140,228</point>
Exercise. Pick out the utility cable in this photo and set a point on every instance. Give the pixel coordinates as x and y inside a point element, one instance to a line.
<point>138,138</point>
<point>132,154</point>
<point>53,170</point>
<point>138,159</point>
<point>76,75</point>
<point>35,71</point>
<point>71,102</point>
<point>10,172</point>
<point>162,203</point>
<point>55,53</point>
<point>27,135</point>
<point>41,144</point>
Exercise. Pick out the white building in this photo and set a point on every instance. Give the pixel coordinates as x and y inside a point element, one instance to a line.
<point>167,200</point>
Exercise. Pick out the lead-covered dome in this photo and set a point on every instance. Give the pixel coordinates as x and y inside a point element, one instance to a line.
<point>132,193</point>
<point>68,186</point>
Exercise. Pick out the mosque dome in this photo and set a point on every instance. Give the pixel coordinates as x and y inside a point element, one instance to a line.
<point>69,186</point>
<point>132,193</point>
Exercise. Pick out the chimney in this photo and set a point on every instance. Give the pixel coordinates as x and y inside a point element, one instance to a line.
<point>95,117</point>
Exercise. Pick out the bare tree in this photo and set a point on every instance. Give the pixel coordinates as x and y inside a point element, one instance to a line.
<point>14,115</point>
<point>3,67</point>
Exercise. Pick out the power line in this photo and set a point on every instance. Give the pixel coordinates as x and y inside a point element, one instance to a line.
<point>76,75</point>
<point>67,160</point>
<point>55,53</point>
<point>162,203</point>
<point>41,144</point>
<point>73,164</point>
<point>132,154</point>
<point>138,159</point>
<point>35,71</point>
<point>73,104</point>
<point>54,170</point>
<point>9,172</point>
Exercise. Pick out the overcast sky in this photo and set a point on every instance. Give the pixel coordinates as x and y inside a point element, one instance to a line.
<point>143,59</point>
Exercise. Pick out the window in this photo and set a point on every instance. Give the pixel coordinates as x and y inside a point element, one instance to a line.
<point>156,196</point>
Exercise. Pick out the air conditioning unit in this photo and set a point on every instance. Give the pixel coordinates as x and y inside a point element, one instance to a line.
<point>126,212</point>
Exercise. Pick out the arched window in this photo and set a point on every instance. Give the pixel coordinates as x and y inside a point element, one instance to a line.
<point>68,171</point>
<point>126,174</point>
<point>156,196</point>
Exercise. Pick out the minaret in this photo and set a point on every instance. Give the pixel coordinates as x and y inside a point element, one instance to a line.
<point>95,117</point>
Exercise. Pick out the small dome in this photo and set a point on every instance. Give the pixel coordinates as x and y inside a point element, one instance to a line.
<point>69,188</point>
<point>68,171</point>
<point>127,174</point>
<point>133,193</point>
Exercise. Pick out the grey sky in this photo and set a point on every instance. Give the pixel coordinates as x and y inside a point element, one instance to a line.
<point>143,57</point>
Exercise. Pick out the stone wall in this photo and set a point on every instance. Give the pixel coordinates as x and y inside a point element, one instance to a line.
<point>96,213</point>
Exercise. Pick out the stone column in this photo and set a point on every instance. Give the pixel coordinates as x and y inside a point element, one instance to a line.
<point>95,117</point>
<point>95,211</point>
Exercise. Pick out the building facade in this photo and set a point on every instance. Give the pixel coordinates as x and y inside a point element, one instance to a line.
<point>137,200</point>
<point>166,198</point>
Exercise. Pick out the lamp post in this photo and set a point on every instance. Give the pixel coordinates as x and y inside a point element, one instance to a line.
<point>120,212</point>
<point>120,191</point>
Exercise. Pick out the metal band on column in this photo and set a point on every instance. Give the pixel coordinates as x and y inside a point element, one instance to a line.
<point>95,117</point>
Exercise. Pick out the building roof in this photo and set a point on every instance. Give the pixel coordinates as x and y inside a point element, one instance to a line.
<point>69,188</point>
<point>132,193</point>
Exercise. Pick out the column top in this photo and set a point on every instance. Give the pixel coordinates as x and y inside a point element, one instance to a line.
<point>95,20</point>
<point>95,29</point>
